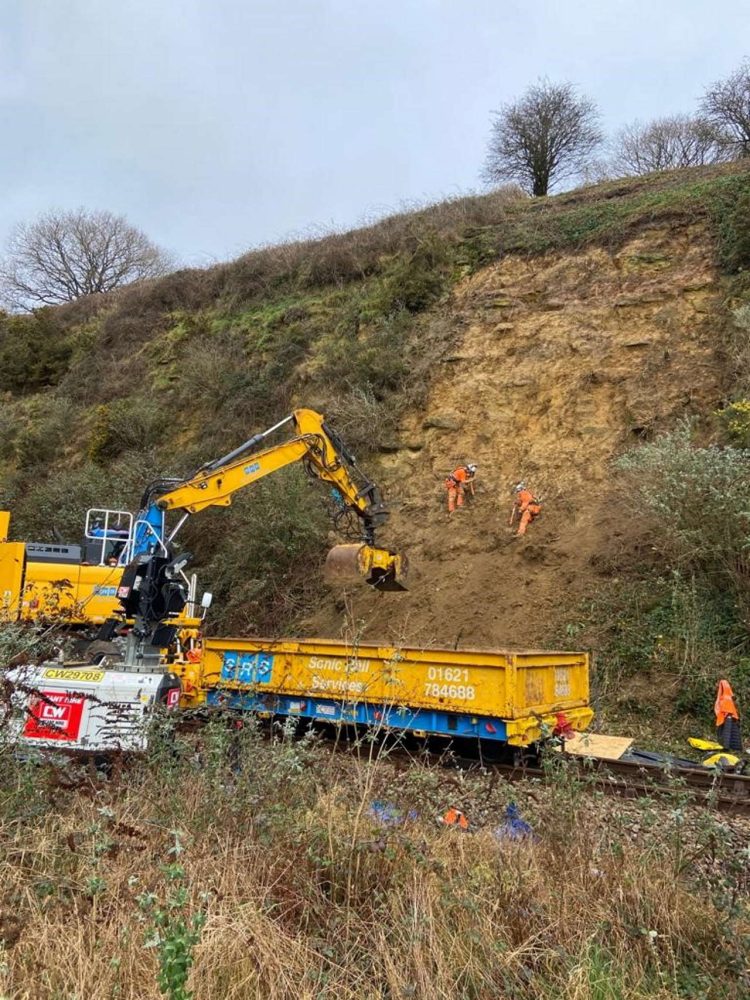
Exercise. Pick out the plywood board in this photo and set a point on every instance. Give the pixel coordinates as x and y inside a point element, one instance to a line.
<point>598,746</point>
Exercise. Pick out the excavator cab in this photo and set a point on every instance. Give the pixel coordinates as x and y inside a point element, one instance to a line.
<point>352,565</point>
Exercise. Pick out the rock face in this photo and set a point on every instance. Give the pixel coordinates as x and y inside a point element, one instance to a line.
<point>557,365</point>
<point>443,422</point>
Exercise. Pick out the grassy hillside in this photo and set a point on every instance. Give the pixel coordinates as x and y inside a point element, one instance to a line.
<point>103,395</point>
<point>597,343</point>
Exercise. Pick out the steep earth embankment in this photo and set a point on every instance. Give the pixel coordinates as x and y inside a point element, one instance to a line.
<point>537,337</point>
<point>557,365</point>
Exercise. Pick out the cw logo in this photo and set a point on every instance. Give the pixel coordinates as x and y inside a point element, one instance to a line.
<point>54,711</point>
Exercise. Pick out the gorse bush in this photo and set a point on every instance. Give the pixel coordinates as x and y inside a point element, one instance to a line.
<point>414,281</point>
<point>124,425</point>
<point>734,420</point>
<point>43,430</point>
<point>737,349</point>
<point>731,210</point>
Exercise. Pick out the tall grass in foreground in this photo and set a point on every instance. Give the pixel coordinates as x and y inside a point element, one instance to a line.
<point>261,865</point>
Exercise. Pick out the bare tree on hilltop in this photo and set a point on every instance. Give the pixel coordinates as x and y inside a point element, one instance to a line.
<point>726,104</point>
<point>668,144</point>
<point>65,255</point>
<point>546,135</point>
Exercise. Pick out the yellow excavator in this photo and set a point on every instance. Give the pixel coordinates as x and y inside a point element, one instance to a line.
<point>77,585</point>
<point>101,704</point>
<point>152,594</point>
<point>74,585</point>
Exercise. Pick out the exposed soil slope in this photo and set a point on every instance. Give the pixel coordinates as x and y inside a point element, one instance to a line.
<point>558,364</point>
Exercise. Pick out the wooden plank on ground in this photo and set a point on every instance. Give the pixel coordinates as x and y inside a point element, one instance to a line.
<point>597,745</point>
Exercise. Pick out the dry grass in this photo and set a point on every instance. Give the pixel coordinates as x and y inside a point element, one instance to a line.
<point>306,896</point>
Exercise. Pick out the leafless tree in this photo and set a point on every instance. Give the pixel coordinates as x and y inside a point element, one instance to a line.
<point>726,104</point>
<point>669,143</point>
<point>64,255</point>
<point>548,134</point>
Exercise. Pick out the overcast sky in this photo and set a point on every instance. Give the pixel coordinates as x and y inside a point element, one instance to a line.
<point>216,125</point>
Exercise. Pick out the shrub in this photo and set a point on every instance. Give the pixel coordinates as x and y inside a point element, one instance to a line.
<point>412,282</point>
<point>10,426</point>
<point>741,317</point>
<point>697,502</point>
<point>364,354</point>
<point>233,388</point>
<point>131,424</point>
<point>735,422</point>
<point>45,432</point>
<point>737,348</point>
<point>663,626</point>
<point>34,351</point>
<point>362,420</point>
<point>731,214</point>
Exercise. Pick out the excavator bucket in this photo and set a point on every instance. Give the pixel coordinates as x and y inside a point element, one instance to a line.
<point>352,565</point>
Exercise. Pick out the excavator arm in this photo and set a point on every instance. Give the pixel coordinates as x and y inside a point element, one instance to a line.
<point>318,445</point>
<point>325,457</point>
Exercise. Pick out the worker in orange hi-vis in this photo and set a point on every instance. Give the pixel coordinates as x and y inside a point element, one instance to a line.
<point>456,484</point>
<point>727,718</point>
<point>526,506</point>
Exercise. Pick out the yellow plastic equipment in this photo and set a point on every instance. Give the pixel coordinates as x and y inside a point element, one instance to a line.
<point>700,744</point>
<point>722,759</point>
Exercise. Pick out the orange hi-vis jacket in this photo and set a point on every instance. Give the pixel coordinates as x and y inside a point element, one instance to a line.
<point>525,499</point>
<point>724,705</point>
<point>454,817</point>
<point>460,475</point>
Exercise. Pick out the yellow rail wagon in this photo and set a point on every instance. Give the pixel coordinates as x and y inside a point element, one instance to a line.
<point>504,696</point>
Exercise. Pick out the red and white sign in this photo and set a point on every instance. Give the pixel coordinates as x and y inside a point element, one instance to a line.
<point>173,697</point>
<point>56,715</point>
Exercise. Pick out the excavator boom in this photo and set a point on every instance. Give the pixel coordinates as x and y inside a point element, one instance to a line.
<point>325,457</point>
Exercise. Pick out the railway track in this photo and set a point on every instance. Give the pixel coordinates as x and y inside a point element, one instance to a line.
<point>645,775</point>
<point>723,791</point>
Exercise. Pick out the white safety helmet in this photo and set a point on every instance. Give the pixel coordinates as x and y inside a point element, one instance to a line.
<point>518,487</point>
<point>471,467</point>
